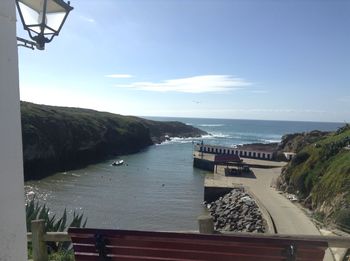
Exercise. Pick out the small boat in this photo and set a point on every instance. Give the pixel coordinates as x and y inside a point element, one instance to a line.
<point>118,163</point>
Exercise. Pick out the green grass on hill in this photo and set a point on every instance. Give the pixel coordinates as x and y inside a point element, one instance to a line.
<point>321,171</point>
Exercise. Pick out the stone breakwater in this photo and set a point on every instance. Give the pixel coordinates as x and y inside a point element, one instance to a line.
<point>238,212</point>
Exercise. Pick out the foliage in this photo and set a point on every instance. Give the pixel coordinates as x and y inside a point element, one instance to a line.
<point>62,255</point>
<point>335,181</point>
<point>300,158</point>
<point>343,129</point>
<point>35,211</point>
<point>319,216</point>
<point>321,170</point>
<point>297,141</point>
<point>343,218</point>
<point>333,148</point>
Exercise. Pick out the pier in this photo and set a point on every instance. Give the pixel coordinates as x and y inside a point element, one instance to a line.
<point>282,215</point>
<point>218,184</point>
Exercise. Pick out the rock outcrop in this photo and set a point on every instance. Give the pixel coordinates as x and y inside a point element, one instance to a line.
<point>296,141</point>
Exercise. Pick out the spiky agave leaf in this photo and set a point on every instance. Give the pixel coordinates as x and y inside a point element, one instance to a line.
<point>50,226</point>
<point>32,213</point>
<point>44,213</point>
<point>36,211</point>
<point>57,225</point>
<point>62,227</point>
<point>84,224</point>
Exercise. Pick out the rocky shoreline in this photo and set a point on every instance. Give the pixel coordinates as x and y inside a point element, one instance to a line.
<point>237,212</point>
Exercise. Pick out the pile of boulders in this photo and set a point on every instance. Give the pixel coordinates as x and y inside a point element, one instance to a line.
<point>237,211</point>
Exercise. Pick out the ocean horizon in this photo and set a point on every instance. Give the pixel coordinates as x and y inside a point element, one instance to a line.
<point>236,119</point>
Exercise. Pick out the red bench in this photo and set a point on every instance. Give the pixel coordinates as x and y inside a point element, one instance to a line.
<point>125,245</point>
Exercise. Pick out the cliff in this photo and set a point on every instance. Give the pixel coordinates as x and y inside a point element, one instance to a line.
<point>320,173</point>
<point>60,138</point>
<point>296,141</point>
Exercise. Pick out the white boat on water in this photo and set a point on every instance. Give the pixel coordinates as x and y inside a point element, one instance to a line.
<point>118,163</point>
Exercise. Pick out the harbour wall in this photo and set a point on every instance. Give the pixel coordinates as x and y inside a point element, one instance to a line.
<point>203,164</point>
<point>214,193</point>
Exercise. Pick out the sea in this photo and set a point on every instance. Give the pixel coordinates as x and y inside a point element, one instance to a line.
<point>157,188</point>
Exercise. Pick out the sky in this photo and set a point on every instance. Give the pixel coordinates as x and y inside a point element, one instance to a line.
<point>262,59</point>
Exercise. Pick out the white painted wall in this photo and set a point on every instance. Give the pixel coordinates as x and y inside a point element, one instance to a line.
<point>242,153</point>
<point>12,213</point>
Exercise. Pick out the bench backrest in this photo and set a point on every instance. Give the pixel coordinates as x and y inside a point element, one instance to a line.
<point>105,244</point>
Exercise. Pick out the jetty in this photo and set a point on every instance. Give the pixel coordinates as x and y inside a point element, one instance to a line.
<point>219,182</point>
<point>282,215</point>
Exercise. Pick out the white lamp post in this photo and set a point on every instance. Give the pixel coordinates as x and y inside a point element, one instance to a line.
<point>49,20</point>
<point>13,244</point>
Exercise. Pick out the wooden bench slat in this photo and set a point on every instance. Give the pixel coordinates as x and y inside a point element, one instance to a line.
<point>142,245</point>
<point>144,258</point>
<point>181,253</point>
<point>79,257</point>
<point>256,252</point>
<point>198,243</point>
<point>227,240</point>
<point>183,236</point>
<point>134,258</point>
<point>207,248</point>
<point>191,244</point>
<point>204,245</point>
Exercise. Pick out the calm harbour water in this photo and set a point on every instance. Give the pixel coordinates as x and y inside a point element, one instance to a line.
<point>157,189</point>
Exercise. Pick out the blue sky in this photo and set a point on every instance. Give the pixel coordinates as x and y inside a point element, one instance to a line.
<point>276,60</point>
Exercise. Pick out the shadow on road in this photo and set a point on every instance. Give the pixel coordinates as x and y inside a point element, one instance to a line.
<point>248,175</point>
<point>240,174</point>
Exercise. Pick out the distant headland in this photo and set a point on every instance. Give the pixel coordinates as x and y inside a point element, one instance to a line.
<point>61,138</point>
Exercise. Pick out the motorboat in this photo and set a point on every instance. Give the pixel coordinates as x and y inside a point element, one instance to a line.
<point>118,163</point>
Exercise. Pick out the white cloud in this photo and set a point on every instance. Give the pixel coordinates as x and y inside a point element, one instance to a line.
<point>195,84</point>
<point>259,91</point>
<point>87,19</point>
<point>119,76</point>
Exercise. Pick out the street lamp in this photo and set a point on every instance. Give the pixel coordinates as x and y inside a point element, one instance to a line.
<point>43,19</point>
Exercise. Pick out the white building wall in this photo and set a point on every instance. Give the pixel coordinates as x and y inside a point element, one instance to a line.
<point>13,245</point>
<point>242,153</point>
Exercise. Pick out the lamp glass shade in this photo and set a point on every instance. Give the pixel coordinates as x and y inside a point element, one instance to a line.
<point>30,17</point>
<point>43,19</point>
<point>54,21</point>
<point>52,6</point>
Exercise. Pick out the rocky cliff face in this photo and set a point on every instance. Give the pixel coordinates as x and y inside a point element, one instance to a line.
<point>296,141</point>
<point>60,139</point>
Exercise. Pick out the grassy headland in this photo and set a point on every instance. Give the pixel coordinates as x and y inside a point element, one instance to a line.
<point>320,173</point>
<point>60,138</point>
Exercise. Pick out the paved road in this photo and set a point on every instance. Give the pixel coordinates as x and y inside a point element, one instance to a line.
<point>288,218</point>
